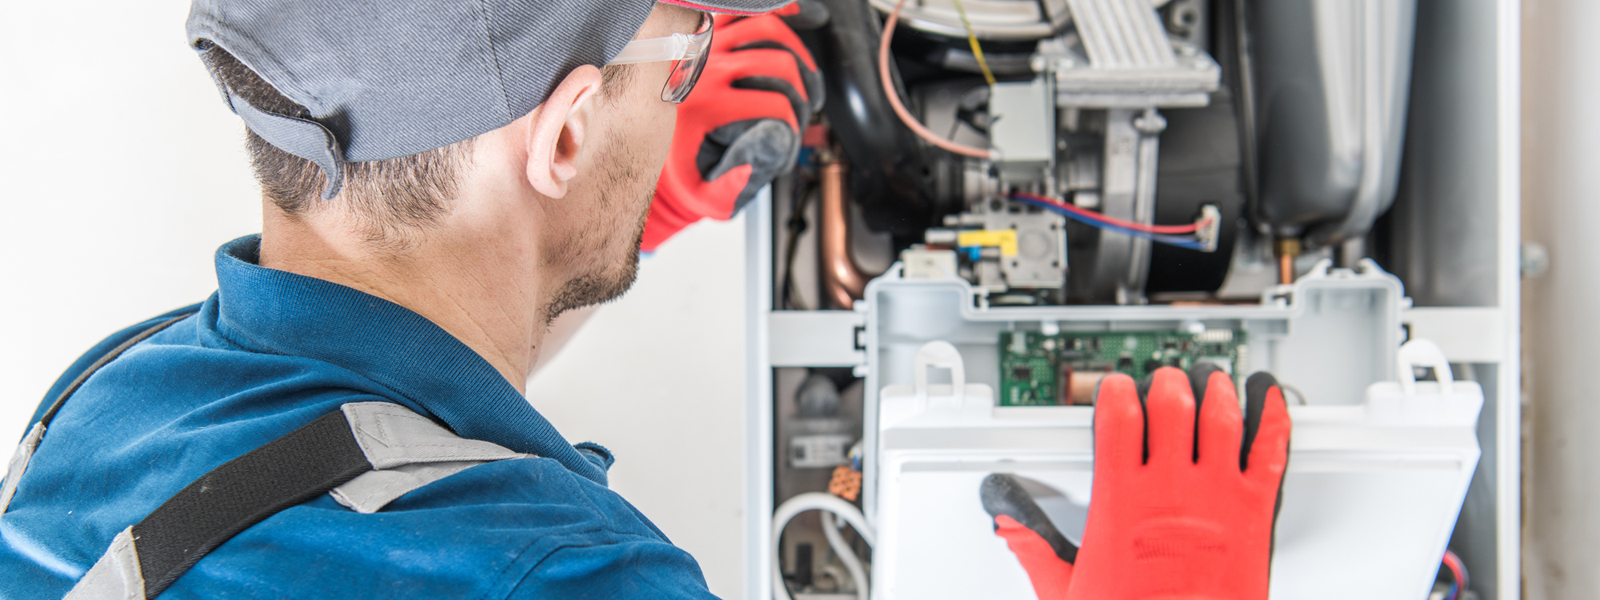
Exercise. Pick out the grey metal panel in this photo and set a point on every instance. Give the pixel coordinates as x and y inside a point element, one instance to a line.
<point>1331,81</point>
<point>1476,538</point>
<point>758,403</point>
<point>1121,34</point>
<point>1445,240</point>
<point>1452,237</point>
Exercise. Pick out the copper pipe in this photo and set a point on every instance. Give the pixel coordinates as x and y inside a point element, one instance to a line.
<point>842,279</point>
<point>1287,250</point>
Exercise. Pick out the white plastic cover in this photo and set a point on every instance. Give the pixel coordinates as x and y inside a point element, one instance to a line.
<point>1370,497</point>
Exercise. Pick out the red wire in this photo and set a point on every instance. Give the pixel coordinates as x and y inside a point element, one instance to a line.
<point>1457,570</point>
<point>1190,228</point>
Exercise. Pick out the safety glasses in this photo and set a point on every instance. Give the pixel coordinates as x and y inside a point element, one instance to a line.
<point>688,50</point>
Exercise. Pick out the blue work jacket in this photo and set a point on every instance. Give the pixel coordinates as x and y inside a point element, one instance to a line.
<point>271,351</point>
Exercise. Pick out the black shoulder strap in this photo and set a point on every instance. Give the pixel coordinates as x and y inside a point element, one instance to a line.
<point>368,453</point>
<point>285,472</point>
<point>146,558</point>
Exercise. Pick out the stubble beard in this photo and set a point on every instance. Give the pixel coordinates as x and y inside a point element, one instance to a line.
<point>614,237</point>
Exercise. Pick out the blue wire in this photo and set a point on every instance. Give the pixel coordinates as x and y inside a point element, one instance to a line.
<point>1170,240</point>
<point>1180,242</point>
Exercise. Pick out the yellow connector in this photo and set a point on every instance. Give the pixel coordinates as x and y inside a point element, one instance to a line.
<point>1005,239</point>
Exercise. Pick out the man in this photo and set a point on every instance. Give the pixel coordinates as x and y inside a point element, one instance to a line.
<point>440,181</point>
<point>344,417</point>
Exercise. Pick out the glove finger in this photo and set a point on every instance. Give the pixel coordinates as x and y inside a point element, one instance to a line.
<point>771,34</point>
<point>1200,378</point>
<point>760,142</point>
<point>680,189</point>
<point>732,104</point>
<point>1169,408</point>
<point>1220,430</point>
<point>804,14</point>
<point>774,64</point>
<point>812,78</point>
<point>1051,577</point>
<point>756,29</point>
<point>1004,496</point>
<point>768,146</point>
<point>1265,450</point>
<point>797,102</point>
<point>730,185</point>
<point>1118,425</point>
<point>700,148</point>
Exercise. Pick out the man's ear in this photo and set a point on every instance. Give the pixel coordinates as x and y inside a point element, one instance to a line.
<point>559,133</point>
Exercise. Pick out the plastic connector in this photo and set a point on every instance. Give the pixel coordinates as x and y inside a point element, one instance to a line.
<point>846,483</point>
<point>1208,233</point>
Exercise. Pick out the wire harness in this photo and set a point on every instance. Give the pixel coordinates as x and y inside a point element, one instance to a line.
<point>1156,233</point>
<point>1458,573</point>
<point>831,505</point>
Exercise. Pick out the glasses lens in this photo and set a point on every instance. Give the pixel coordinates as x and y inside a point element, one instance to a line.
<point>687,71</point>
<point>681,81</point>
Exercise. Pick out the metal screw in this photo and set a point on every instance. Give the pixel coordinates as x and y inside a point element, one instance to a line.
<point>1535,260</point>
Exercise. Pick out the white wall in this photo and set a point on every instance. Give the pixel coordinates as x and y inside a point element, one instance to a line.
<point>1561,325</point>
<point>121,171</point>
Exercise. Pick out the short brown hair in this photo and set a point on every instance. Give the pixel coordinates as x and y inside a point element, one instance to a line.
<point>389,197</point>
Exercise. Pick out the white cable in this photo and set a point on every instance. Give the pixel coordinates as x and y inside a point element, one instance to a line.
<point>830,530</point>
<point>802,503</point>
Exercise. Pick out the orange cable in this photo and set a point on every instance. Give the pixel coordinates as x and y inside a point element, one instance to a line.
<point>900,109</point>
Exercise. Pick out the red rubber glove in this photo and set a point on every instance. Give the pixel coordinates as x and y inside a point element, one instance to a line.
<point>1045,554</point>
<point>1192,521</point>
<point>741,125</point>
<point>1172,516</point>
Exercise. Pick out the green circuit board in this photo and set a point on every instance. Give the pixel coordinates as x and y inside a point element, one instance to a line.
<point>1039,370</point>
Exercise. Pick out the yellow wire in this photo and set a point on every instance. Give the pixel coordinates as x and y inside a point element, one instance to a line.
<point>972,38</point>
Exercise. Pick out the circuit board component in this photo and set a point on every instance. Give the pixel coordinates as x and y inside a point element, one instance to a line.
<point>1066,368</point>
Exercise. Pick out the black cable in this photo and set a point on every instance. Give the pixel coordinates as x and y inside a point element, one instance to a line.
<point>1245,79</point>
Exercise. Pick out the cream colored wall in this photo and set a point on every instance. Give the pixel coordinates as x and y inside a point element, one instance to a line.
<point>1561,325</point>
<point>121,171</point>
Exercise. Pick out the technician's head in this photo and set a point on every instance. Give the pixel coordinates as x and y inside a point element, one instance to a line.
<point>407,125</point>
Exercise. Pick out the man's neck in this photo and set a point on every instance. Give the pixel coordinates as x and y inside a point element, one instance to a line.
<point>480,293</point>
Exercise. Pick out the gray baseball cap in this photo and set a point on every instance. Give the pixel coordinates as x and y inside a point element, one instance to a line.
<point>385,79</point>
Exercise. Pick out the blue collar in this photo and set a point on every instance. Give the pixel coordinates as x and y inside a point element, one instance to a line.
<point>278,312</point>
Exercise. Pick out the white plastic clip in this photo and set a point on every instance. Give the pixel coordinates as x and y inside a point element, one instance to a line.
<point>1424,353</point>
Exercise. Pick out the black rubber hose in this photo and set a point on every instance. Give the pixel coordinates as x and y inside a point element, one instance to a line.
<point>889,175</point>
